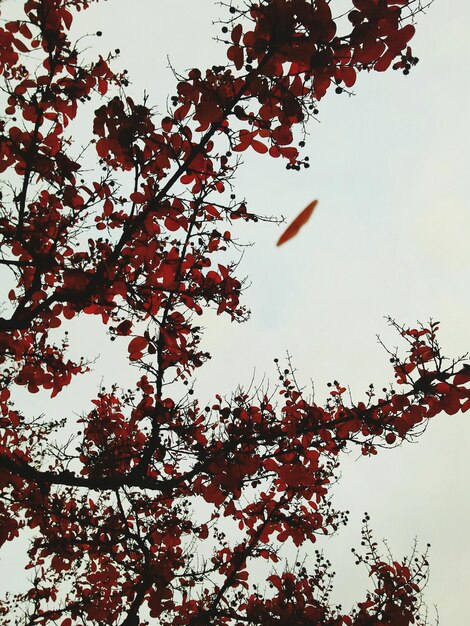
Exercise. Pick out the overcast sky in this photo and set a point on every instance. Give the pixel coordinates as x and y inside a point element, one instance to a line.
<point>390,235</point>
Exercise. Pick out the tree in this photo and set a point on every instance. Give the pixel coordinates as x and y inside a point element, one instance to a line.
<point>159,508</point>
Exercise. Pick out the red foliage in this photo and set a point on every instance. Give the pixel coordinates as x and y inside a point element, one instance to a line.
<point>117,513</point>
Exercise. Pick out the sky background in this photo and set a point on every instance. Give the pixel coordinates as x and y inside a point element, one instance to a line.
<point>389,237</point>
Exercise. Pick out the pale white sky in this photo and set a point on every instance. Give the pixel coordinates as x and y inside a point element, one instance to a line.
<point>389,237</point>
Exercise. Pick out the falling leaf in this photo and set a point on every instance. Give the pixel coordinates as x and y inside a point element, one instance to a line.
<point>300,220</point>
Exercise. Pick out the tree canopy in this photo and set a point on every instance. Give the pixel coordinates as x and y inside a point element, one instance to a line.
<point>160,508</point>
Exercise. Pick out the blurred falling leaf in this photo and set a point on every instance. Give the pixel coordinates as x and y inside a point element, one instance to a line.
<point>296,225</point>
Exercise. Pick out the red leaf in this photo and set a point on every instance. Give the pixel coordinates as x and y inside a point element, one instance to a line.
<point>124,328</point>
<point>137,197</point>
<point>400,38</point>
<point>465,406</point>
<point>462,377</point>
<point>235,54</point>
<point>282,135</point>
<point>259,147</point>
<point>171,223</point>
<point>237,33</point>
<point>136,347</point>
<point>213,494</point>
<point>167,124</point>
<point>296,225</point>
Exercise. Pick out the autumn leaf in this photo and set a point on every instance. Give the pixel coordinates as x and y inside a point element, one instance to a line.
<point>296,225</point>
